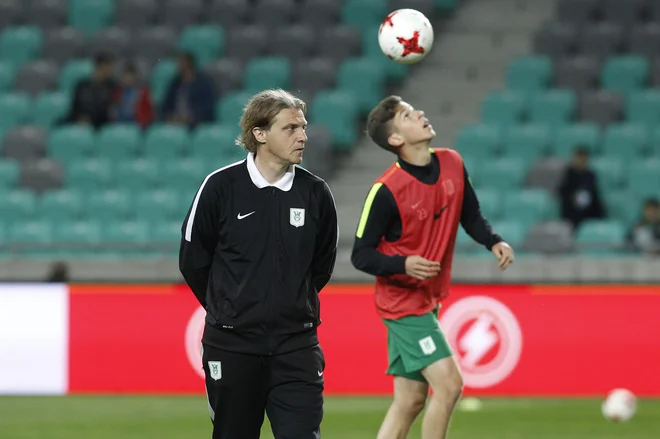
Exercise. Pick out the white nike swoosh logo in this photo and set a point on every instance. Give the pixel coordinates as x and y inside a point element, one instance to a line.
<point>320,373</point>
<point>240,217</point>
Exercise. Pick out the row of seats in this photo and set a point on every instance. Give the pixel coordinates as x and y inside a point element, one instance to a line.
<point>627,12</point>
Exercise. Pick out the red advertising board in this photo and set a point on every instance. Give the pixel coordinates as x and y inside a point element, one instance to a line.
<point>509,340</point>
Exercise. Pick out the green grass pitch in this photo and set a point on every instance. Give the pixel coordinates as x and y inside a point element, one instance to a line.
<point>166,417</point>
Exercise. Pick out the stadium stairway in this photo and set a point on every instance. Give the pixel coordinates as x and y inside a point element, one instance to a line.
<point>468,60</point>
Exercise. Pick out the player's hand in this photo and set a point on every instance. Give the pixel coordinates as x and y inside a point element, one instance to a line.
<point>420,268</point>
<point>504,254</point>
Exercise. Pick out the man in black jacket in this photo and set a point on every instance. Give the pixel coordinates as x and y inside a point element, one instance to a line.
<point>259,243</point>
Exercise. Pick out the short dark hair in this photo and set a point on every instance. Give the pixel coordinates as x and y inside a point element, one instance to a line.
<point>582,151</point>
<point>379,122</point>
<point>189,58</point>
<point>652,202</point>
<point>103,58</point>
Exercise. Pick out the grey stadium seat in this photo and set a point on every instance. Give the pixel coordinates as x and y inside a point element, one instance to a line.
<point>64,44</point>
<point>579,73</point>
<point>556,40</point>
<point>601,107</point>
<point>25,143</point>
<point>601,40</point>
<point>227,74</point>
<point>546,173</point>
<point>274,13</point>
<point>11,12</point>
<point>294,42</point>
<point>655,71</point>
<point>247,42</point>
<point>625,12</point>
<point>227,13</point>
<point>320,13</point>
<point>154,43</point>
<point>48,14</point>
<point>115,41</point>
<point>340,42</point>
<point>645,40</point>
<point>36,77</point>
<point>318,156</point>
<point>423,6</point>
<point>181,13</point>
<point>577,11</point>
<point>550,237</point>
<point>41,175</point>
<point>135,13</point>
<point>314,74</point>
<point>654,11</point>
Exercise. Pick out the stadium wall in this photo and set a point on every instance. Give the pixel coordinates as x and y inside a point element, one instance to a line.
<point>513,340</point>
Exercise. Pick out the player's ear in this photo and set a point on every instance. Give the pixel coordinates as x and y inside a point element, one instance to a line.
<point>259,134</point>
<point>395,140</point>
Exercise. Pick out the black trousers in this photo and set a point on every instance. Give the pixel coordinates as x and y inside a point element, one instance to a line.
<point>287,387</point>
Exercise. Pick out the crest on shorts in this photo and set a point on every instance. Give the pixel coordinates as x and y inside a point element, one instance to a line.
<point>215,370</point>
<point>297,217</point>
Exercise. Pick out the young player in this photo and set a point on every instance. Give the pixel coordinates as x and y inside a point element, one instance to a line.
<point>406,238</point>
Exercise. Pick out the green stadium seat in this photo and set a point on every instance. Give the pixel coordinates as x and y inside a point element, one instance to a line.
<point>472,164</point>
<point>264,73</point>
<point>137,174</point>
<point>644,177</point>
<point>338,111</point>
<point>119,141</point>
<point>17,204</point>
<point>20,44</point>
<point>162,74</point>
<point>230,107</point>
<point>7,75</point>
<point>585,135</point>
<point>529,205</point>
<point>512,231</point>
<point>529,73</point>
<point>503,107</point>
<point>625,74</point>
<point>483,140</point>
<point>364,13</point>
<point>125,234</point>
<point>30,231</point>
<point>529,142</point>
<point>394,72</point>
<point>63,204</point>
<point>610,171</point>
<point>166,232</point>
<point>89,174</point>
<point>599,235</point>
<point>72,72</point>
<point>110,204</point>
<point>206,42</point>
<point>465,244</point>
<point>625,140</point>
<point>49,108</point>
<point>211,142</point>
<point>490,202</point>
<point>187,173</point>
<point>91,16</point>
<point>654,143</point>
<point>503,174</point>
<point>445,5</point>
<point>160,204</point>
<point>644,107</point>
<point>14,108</point>
<point>164,140</point>
<point>76,234</point>
<point>554,107</point>
<point>364,79</point>
<point>70,143</point>
<point>622,205</point>
<point>10,171</point>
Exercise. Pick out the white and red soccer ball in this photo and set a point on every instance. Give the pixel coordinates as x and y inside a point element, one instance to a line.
<point>406,36</point>
<point>620,405</point>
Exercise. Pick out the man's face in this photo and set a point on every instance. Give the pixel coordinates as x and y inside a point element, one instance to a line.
<point>580,161</point>
<point>651,213</point>
<point>410,127</point>
<point>286,137</point>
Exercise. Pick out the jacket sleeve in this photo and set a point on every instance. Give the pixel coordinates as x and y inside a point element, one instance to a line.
<point>199,239</point>
<point>325,254</point>
<point>472,220</point>
<point>377,216</point>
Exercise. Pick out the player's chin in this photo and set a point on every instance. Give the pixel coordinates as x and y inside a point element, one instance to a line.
<point>296,157</point>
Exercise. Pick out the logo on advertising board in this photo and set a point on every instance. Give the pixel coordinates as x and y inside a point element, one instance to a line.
<point>486,338</point>
<point>194,332</point>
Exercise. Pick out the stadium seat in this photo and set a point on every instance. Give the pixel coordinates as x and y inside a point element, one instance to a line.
<point>188,173</point>
<point>72,72</point>
<point>109,204</point>
<point>265,73</point>
<point>212,142</point>
<point>610,171</point>
<point>24,143</point>
<point>91,15</point>
<point>162,75</point>
<point>512,231</point>
<point>118,141</point>
<point>625,140</point>
<point>64,204</point>
<point>230,107</point>
<point>206,42</point>
<point>528,205</point>
<point>77,235</point>
<point>49,108</point>
<point>178,14</point>
<point>490,202</point>
<point>159,205</point>
<point>166,233</point>
<point>123,236</point>
<point>9,173</point>
<point>622,205</point>
<point>70,143</point>
<point>14,108</point>
<point>395,72</point>
<point>89,174</point>
<point>625,74</point>
<point>503,107</point>
<point>165,141</point>
<point>17,204</point>
<point>137,174</point>
<point>644,177</point>
<point>338,111</point>
<point>554,107</point>
<point>364,13</point>
<point>505,173</point>
<point>600,235</point>
<point>577,135</point>
<point>529,74</point>
<point>529,142</point>
<point>35,233</point>
<point>364,79</point>
<point>644,107</point>
<point>21,44</point>
<point>483,140</point>
<point>7,75</point>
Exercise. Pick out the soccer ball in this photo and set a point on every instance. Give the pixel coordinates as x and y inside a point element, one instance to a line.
<point>406,36</point>
<point>620,405</point>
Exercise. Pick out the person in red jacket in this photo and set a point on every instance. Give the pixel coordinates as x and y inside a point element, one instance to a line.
<point>132,101</point>
<point>406,237</point>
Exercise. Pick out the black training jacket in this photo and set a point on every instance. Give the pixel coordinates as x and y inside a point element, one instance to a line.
<point>257,255</point>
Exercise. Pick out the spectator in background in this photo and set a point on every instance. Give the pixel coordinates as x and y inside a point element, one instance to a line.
<point>59,273</point>
<point>645,235</point>
<point>92,97</point>
<point>190,97</point>
<point>132,101</point>
<point>578,191</point>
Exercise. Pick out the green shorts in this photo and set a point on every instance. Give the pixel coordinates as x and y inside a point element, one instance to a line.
<point>414,343</point>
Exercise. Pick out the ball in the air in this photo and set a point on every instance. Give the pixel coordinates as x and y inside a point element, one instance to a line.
<point>620,405</point>
<point>406,36</point>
